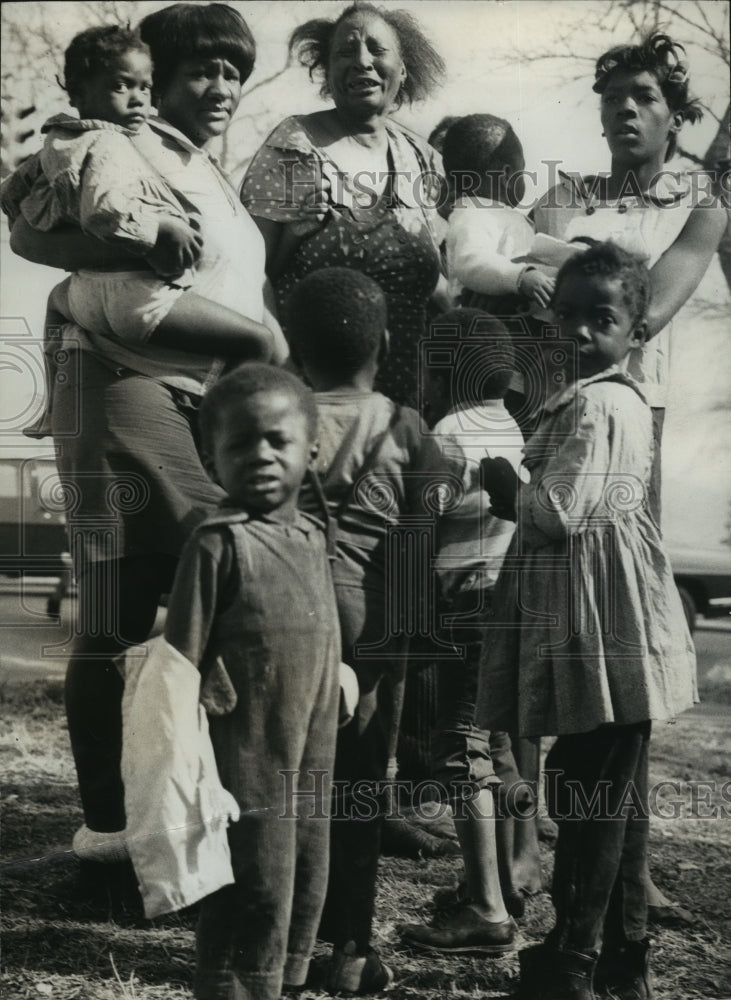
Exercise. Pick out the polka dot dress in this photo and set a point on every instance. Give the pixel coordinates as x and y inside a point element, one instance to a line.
<point>392,242</point>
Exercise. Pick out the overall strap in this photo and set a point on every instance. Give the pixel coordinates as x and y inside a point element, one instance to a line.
<point>369,461</point>
<point>332,518</point>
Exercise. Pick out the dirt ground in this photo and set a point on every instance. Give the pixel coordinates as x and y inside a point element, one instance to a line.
<point>58,944</point>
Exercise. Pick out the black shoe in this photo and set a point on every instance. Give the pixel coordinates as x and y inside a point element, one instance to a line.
<point>624,973</point>
<point>550,974</point>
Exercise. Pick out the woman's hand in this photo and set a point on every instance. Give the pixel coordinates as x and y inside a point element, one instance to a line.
<point>313,210</point>
<point>178,247</point>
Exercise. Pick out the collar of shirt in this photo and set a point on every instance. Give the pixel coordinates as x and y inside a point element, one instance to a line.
<point>667,189</point>
<point>162,127</point>
<point>228,514</point>
<point>484,404</point>
<point>612,374</point>
<point>72,124</point>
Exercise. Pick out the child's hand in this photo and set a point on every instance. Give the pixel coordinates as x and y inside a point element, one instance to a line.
<point>178,247</point>
<point>500,480</point>
<point>536,285</point>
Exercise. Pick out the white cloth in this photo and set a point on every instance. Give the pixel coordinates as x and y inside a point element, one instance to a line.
<point>483,239</point>
<point>129,305</point>
<point>472,542</point>
<point>177,809</point>
<point>643,225</point>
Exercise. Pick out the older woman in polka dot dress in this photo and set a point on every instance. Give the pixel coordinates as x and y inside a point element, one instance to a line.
<point>347,187</point>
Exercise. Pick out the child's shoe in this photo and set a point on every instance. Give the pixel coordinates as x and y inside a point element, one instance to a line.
<point>624,973</point>
<point>357,974</point>
<point>463,931</point>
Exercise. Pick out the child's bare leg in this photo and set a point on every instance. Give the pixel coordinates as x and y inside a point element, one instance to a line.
<point>526,855</point>
<point>194,318</point>
<point>57,313</point>
<point>476,829</point>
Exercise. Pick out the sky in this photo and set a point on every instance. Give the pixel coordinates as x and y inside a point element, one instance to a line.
<point>487,46</point>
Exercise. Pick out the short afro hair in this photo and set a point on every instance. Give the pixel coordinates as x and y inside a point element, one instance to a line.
<point>196,31</point>
<point>610,260</point>
<point>439,132</point>
<point>480,145</point>
<point>95,50</point>
<point>246,380</point>
<point>474,351</point>
<point>336,320</point>
<point>660,55</point>
<point>311,44</point>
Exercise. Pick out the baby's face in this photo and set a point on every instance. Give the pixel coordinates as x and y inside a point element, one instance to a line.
<point>262,449</point>
<point>121,93</point>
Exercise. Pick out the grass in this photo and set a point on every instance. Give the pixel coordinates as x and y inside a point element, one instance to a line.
<point>60,944</point>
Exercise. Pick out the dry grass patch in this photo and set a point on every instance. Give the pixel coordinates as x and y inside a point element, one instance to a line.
<point>60,944</point>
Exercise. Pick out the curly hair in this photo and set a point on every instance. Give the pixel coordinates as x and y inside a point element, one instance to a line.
<point>474,352</point>
<point>196,31</point>
<point>247,380</point>
<point>97,49</point>
<point>336,320</point>
<point>660,55</point>
<point>311,45</point>
<point>612,261</point>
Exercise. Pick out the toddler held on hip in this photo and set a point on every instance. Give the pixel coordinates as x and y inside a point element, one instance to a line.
<point>90,175</point>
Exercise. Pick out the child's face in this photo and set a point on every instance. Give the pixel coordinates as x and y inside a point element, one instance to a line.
<point>121,93</point>
<point>591,311</point>
<point>261,452</point>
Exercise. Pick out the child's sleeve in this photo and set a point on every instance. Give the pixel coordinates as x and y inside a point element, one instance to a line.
<point>115,200</point>
<point>16,188</point>
<point>573,488</point>
<point>472,257</point>
<point>202,580</point>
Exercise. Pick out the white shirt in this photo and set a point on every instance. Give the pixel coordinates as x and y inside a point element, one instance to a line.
<point>483,240</point>
<point>471,540</point>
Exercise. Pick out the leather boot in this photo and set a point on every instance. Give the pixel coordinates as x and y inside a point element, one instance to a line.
<point>624,973</point>
<point>552,974</point>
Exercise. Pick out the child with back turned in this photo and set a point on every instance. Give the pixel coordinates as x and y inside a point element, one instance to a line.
<point>590,642</point>
<point>469,361</point>
<point>253,596</point>
<point>484,163</point>
<point>492,258</point>
<point>374,465</point>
